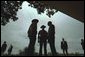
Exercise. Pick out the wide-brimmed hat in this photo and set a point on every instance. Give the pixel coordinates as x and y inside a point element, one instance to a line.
<point>43,26</point>
<point>35,20</point>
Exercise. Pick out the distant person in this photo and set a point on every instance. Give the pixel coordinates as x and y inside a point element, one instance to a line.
<point>42,39</point>
<point>51,37</point>
<point>3,48</point>
<point>32,32</point>
<point>82,43</point>
<point>10,50</point>
<point>64,46</point>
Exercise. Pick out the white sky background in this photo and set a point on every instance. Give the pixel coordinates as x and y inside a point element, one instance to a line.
<point>15,33</point>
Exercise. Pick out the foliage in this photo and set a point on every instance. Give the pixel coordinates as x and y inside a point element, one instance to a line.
<point>9,10</point>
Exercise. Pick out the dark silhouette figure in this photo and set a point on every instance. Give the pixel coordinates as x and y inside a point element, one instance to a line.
<point>3,48</point>
<point>42,39</point>
<point>64,46</point>
<point>32,32</point>
<point>82,43</point>
<point>51,37</point>
<point>10,50</point>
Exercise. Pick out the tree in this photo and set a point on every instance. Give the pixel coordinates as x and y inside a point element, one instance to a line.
<point>9,9</point>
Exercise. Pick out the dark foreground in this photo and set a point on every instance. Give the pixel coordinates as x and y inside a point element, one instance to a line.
<point>49,54</point>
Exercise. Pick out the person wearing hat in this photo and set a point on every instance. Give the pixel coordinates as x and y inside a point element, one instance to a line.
<point>42,39</point>
<point>51,37</point>
<point>32,32</point>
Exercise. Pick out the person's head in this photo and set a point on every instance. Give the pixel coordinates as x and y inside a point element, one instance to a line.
<point>35,21</point>
<point>4,42</point>
<point>43,26</point>
<point>11,45</point>
<point>82,40</point>
<point>49,23</point>
<point>63,39</point>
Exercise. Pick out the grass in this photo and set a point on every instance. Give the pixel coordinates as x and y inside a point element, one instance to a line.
<point>49,54</point>
<point>25,53</point>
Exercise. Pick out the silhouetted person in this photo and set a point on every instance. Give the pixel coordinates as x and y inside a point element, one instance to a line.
<point>82,43</point>
<point>64,46</point>
<point>3,48</point>
<point>10,50</point>
<point>51,37</point>
<point>32,32</point>
<point>42,39</point>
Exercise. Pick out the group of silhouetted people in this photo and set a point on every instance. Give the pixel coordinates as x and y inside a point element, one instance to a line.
<point>64,46</point>
<point>4,47</point>
<point>44,37</point>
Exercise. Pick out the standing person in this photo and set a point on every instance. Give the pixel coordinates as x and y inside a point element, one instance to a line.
<point>51,37</point>
<point>64,46</point>
<point>10,50</point>
<point>82,43</point>
<point>32,32</point>
<point>42,39</point>
<point>3,48</point>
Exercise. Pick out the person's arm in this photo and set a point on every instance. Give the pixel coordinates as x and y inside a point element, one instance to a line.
<point>66,44</point>
<point>29,31</point>
<point>39,37</point>
<point>61,45</point>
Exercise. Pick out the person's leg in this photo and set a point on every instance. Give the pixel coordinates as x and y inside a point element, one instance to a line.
<point>29,52</point>
<point>52,46</point>
<point>63,51</point>
<point>83,47</point>
<point>40,51</point>
<point>66,52</point>
<point>2,52</point>
<point>33,42</point>
<point>45,48</point>
<point>9,53</point>
<point>31,46</point>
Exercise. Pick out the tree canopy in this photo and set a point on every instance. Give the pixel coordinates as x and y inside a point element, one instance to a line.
<point>9,9</point>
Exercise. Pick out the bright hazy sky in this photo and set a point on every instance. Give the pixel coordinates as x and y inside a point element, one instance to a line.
<point>15,33</point>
